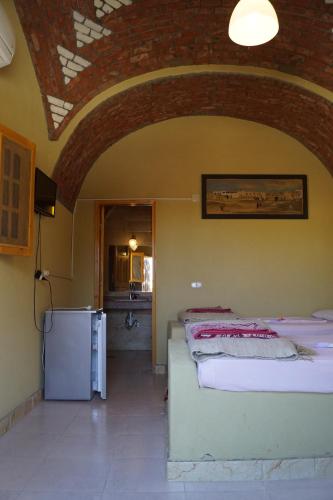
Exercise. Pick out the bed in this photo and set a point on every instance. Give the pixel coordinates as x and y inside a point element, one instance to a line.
<point>241,433</point>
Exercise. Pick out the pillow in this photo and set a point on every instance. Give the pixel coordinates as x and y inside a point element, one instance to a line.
<point>324,314</point>
<point>217,309</point>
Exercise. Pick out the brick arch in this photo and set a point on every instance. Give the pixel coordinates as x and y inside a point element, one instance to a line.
<point>146,35</point>
<point>301,114</point>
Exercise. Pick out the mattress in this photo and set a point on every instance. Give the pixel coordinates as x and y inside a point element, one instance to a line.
<point>315,375</point>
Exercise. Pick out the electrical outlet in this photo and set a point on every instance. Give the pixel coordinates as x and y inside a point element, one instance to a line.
<point>41,275</point>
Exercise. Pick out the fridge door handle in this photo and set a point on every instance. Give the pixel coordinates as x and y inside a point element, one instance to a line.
<point>101,356</point>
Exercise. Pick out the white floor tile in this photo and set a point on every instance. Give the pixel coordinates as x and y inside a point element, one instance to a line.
<point>71,474</point>
<point>143,496</point>
<point>140,475</point>
<point>93,446</point>
<point>44,423</point>
<point>115,449</point>
<point>138,446</point>
<point>62,495</point>
<point>106,424</point>
<point>16,472</point>
<point>128,408</point>
<point>305,489</point>
<point>215,486</point>
<point>8,495</point>
<point>26,445</point>
<point>226,495</point>
<point>70,408</point>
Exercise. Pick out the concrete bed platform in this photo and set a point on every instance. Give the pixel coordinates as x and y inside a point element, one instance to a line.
<point>221,435</point>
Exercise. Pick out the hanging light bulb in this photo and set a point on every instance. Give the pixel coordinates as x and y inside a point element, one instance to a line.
<point>132,243</point>
<point>253,22</point>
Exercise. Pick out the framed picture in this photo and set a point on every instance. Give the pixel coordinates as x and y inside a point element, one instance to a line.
<point>17,168</point>
<point>254,196</point>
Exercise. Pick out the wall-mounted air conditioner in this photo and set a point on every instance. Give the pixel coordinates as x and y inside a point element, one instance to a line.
<point>7,39</point>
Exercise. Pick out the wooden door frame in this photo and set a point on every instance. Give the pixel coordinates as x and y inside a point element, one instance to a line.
<point>99,257</point>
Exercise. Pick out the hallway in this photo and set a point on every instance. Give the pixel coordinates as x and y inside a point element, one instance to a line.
<point>115,449</point>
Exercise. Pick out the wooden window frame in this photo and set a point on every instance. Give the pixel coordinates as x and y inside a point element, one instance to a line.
<point>27,211</point>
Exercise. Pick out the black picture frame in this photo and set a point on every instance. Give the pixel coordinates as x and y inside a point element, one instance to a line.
<point>254,196</point>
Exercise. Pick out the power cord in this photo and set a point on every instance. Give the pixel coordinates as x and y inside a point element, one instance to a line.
<point>38,256</point>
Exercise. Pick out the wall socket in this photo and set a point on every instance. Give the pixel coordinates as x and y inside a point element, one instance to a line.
<point>41,275</point>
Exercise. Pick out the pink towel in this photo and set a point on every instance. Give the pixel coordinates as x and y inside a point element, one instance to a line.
<point>209,333</point>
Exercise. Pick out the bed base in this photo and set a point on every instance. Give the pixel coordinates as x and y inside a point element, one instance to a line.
<point>221,435</point>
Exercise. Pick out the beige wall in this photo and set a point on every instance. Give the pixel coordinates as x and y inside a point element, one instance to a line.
<point>254,266</point>
<point>165,160</point>
<point>20,352</point>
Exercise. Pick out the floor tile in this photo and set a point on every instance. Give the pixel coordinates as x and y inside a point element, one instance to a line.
<point>226,495</point>
<point>8,495</point>
<point>202,486</point>
<point>305,489</point>
<point>44,423</point>
<point>93,446</point>
<point>140,475</point>
<point>26,445</point>
<point>16,472</point>
<point>138,446</point>
<point>71,474</point>
<point>143,496</point>
<point>104,423</point>
<point>115,449</point>
<point>59,407</point>
<point>62,495</point>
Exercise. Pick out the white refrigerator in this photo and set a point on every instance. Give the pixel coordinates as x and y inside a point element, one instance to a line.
<point>74,354</point>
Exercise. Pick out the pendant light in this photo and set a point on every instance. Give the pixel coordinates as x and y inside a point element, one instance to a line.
<point>253,22</point>
<point>132,243</point>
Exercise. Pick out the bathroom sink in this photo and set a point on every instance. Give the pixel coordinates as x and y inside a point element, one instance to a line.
<point>125,299</point>
<point>126,303</point>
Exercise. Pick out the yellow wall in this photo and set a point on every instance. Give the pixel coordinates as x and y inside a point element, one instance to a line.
<point>83,284</point>
<point>254,266</point>
<point>165,160</point>
<point>20,351</point>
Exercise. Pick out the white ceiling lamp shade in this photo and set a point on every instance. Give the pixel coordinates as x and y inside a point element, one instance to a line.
<point>7,39</point>
<point>253,22</point>
<point>132,243</point>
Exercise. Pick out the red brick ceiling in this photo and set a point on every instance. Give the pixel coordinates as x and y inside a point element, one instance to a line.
<point>297,112</point>
<point>139,36</point>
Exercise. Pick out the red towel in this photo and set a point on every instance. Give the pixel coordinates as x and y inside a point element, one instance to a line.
<point>209,333</point>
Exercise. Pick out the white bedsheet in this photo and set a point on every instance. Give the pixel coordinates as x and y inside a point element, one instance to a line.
<point>278,376</point>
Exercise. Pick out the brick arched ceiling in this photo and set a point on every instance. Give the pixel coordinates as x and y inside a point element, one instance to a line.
<point>80,47</point>
<point>300,113</point>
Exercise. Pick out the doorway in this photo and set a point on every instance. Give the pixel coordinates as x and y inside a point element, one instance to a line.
<point>124,276</point>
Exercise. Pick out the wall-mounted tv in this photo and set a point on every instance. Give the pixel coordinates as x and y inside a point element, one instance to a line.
<point>45,194</point>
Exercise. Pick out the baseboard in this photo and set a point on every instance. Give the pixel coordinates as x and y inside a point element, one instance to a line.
<point>19,412</point>
<point>251,470</point>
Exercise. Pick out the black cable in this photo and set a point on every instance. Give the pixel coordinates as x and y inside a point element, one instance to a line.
<point>39,254</point>
<point>37,245</point>
<point>40,243</point>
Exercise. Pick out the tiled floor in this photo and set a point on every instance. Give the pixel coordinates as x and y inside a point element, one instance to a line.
<point>116,450</point>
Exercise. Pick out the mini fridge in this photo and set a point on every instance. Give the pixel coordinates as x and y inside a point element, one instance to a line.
<point>74,354</point>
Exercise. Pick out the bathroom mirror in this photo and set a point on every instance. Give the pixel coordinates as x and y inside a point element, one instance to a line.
<point>136,267</point>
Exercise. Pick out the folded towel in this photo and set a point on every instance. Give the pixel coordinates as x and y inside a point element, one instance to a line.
<point>209,333</point>
<point>271,348</point>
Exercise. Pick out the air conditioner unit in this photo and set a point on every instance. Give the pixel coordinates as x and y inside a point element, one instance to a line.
<point>7,39</point>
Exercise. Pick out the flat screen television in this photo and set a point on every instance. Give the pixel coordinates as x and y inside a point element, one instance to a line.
<point>45,194</point>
